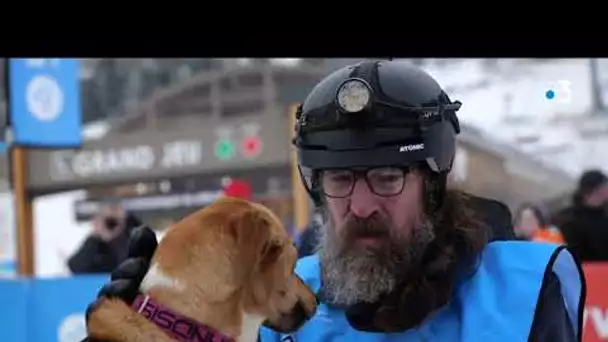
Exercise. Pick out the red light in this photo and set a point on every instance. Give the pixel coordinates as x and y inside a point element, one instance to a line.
<point>238,188</point>
<point>251,146</point>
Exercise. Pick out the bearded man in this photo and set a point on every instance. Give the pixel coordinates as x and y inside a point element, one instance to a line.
<point>401,257</point>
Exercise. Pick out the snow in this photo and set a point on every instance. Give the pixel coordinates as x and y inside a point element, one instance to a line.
<point>508,103</point>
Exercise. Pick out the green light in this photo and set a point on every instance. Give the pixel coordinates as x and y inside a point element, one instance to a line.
<point>224,149</point>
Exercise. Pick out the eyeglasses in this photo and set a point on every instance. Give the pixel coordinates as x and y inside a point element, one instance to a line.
<point>384,181</point>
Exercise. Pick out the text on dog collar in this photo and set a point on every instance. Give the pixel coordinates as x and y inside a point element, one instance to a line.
<point>176,325</point>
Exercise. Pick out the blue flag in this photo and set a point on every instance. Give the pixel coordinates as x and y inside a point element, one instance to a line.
<point>44,102</point>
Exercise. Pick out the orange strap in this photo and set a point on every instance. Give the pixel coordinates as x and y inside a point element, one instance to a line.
<point>548,235</point>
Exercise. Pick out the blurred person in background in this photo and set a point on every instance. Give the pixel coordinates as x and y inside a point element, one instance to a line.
<point>107,244</point>
<point>308,240</point>
<point>585,223</point>
<point>533,224</point>
<point>401,257</point>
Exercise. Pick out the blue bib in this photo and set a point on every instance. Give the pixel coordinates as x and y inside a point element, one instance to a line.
<point>497,303</point>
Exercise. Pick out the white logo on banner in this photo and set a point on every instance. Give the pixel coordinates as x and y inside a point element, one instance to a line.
<point>72,329</point>
<point>44,98</point>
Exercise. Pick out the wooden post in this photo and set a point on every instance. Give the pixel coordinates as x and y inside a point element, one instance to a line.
<point>23,210</point>
<point>301,201</point>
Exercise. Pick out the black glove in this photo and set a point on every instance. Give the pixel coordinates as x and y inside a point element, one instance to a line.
<point>126,278</point>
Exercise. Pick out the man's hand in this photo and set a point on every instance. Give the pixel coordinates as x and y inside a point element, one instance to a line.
<point>126,278</point>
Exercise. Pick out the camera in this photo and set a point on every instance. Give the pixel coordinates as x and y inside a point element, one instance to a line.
<point>111,223</point>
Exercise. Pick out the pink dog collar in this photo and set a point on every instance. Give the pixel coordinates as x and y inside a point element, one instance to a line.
<point>176,325</point>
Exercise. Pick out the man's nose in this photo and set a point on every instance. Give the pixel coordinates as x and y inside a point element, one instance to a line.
<point>363,202</point>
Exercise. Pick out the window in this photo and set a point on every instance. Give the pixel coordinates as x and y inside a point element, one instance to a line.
<point>190,101</point>
<point>194,109</point>
<point>132,125</point>
<point>226,84</point>
<point>251,80</point>
<point>314,61</point>
<point>203,64</point>
<point>174,108</point>
<point>295,87</point>
<point>165,108</point>
<point>196,92</point>
<point>241,108</point>
<point>150,83</point>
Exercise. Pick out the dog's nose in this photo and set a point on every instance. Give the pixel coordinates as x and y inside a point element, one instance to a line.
<point>301,313</point>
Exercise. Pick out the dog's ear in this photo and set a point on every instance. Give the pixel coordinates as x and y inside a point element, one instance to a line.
<point>253,234</point>
<point>271,251</point>
<point>259,251</point>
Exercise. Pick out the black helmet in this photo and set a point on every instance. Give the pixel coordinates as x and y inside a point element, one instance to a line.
<point>376,113</point>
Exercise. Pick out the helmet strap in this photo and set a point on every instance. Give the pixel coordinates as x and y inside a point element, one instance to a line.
<point>314,193</point>
<point>435,187</point>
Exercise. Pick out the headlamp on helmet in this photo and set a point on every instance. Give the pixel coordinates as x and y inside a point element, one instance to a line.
<point>354,96</point>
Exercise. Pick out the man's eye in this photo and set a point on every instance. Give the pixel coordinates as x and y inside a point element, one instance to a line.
<point>341,178</point>
<point>389,178</point>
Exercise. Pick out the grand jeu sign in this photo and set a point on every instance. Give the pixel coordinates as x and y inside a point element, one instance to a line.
<point>129,159</point>
<point>153,155</point>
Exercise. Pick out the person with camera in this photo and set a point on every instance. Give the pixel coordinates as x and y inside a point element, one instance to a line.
<point>106,246</point>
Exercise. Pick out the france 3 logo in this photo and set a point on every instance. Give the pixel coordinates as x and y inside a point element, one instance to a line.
<point>559,91</point>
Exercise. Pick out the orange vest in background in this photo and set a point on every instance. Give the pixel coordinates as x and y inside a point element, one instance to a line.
<point>550,234</point>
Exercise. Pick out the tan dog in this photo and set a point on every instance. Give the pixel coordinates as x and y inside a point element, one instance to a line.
<point>228,267</point>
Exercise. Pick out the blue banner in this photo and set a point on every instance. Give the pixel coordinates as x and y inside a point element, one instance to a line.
<point>13,311</point>
<point>44,102</point>
<point>46,310</point>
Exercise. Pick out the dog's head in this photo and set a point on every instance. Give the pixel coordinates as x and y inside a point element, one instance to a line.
<point>237,252</point>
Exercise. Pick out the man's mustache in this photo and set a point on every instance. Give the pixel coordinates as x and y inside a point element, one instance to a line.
<point>369,227</point>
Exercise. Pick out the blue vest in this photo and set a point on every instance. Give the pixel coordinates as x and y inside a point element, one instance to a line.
<point>497,303</point>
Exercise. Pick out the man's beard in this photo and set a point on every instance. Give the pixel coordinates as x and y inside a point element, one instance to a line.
<point>355,272</point>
